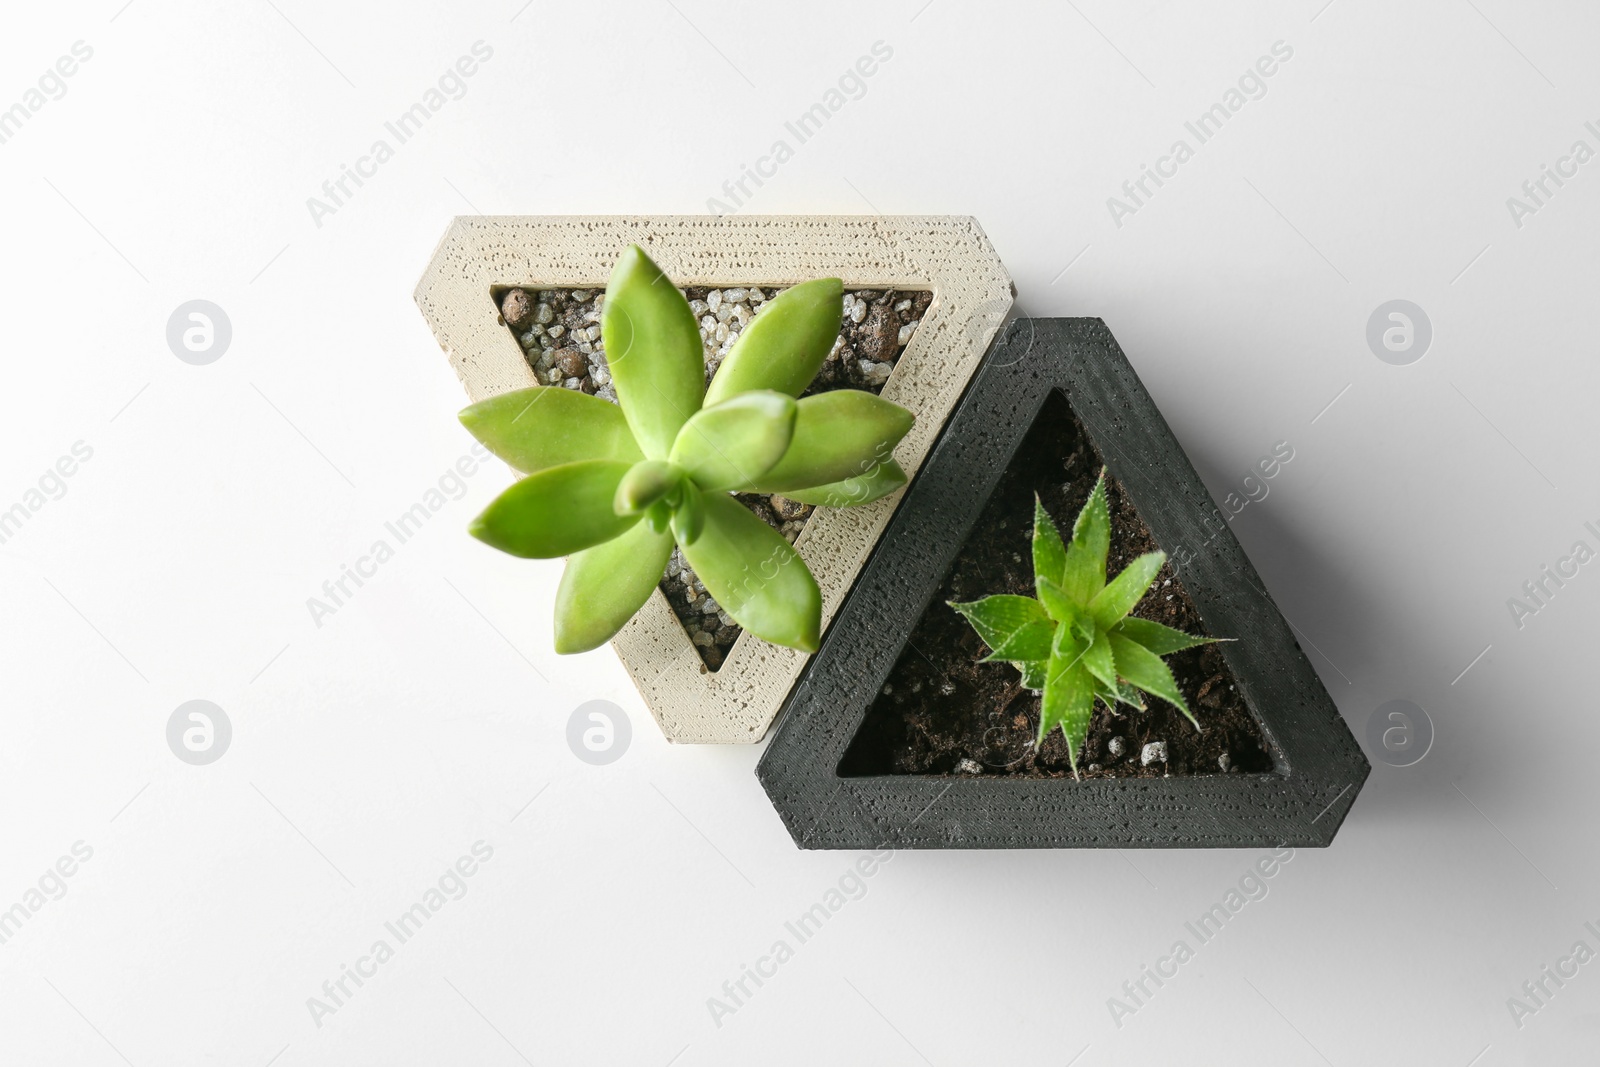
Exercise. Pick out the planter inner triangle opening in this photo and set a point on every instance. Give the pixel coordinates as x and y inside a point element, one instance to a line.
<point>558,331</point>
<point>944,711</point>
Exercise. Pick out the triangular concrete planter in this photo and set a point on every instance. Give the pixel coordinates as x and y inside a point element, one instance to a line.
<point>1317,767</point>
<point>947,255</point>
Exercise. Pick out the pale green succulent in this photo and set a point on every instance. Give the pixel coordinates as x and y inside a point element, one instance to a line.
<point>615,486</point>
<point>1077,642</point>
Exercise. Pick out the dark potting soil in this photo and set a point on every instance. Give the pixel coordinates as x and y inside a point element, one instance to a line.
<point>943,712</point>
<point>559,331</point>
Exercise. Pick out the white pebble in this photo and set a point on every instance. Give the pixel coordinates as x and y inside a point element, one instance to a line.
<point>572,383</point>
<point>721,333</point>
<point>581,295</point>
<point>858,311</point>
<point>599,374</point>
<point>714,299</point>
<point>904,305</point>
<point>969,766</point>
<point>699,307</point>
<point>543,314</point>
<point>876,373</point>
<point>553,376</point>
<point>1224,762</point>
<point>725,312</point>
<point>708,322</point>
<point>1154,752</point>
<point>1116,746</point>
<point>757,296</point>
<point>905,334</point>
<point>557,330</point>
<point>743,313</point>
<point>735,295</point>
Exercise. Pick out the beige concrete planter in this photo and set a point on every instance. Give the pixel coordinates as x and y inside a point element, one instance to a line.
<point>948,255</point>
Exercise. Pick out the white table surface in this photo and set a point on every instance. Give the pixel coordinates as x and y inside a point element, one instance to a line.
<point>427,713</point>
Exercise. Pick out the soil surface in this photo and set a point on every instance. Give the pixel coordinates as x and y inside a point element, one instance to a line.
<point>943,712</point>
<point>559,331</point>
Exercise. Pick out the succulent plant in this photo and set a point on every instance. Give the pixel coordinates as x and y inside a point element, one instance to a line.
<point>1077,642</point>
<point>614,486</point>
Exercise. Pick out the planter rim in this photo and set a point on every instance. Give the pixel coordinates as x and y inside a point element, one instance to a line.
<point>946,254</point>
<point>1319,768</point>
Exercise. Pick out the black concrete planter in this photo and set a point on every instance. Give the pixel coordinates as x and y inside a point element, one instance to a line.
<point>1316,768</point>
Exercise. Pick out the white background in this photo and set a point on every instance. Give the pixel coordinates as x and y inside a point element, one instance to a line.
<point>428,712</point>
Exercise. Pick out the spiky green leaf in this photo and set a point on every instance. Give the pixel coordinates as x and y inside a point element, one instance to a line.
<point>1144,669</point>
<point>1099,661</point>
<point>1068,703</point>
<point>1125,590</point>
<point>532,429</point>
<point>1085,571</point>
<point>653,350</point>
<point>1034,673</point>
<point>602,587</point>
<point>1162,640</point>
<point>999,619</point>
<point>756,575</point>
<point>785,344</point>
<point>1049,554</point>
<point>880,481</point>
<point>556,512</point>
<point>735,442</point>
<point>1033,641</point>
<point>837,435</point>
<point>1057,604</point>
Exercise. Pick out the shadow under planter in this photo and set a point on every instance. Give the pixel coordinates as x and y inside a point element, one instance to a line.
<point>897,736</point>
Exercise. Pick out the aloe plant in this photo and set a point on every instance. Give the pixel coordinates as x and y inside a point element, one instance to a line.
<point>615,486</point>
<point>1076,642</point>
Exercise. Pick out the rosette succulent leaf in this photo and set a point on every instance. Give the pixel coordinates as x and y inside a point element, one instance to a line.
<point>1076,642</point>
<point>615,486</point>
